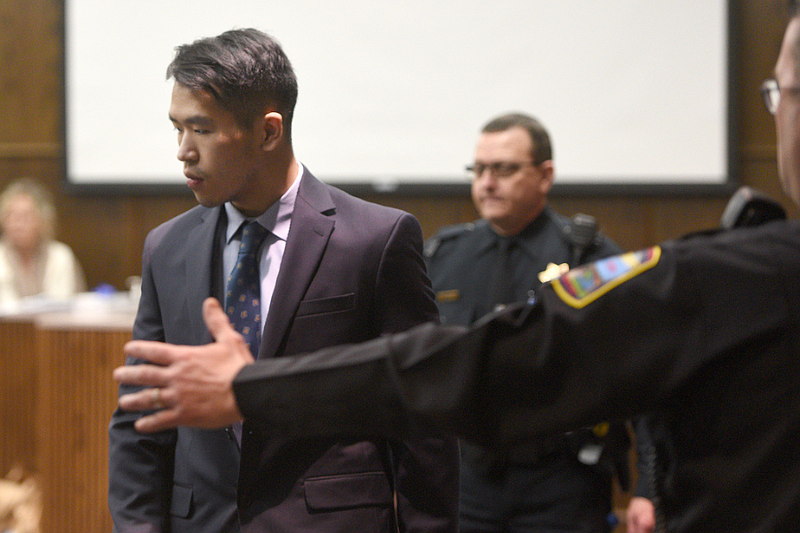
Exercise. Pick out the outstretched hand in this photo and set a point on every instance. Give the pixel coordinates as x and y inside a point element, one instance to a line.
<point>641,515</point>
<point>187,385</point>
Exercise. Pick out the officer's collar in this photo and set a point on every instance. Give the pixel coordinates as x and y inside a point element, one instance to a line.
<point>531,229</point>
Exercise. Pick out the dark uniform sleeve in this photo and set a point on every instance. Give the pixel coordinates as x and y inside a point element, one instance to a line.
<point>613,339</point>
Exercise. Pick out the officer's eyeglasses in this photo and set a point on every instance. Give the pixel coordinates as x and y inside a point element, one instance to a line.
<point>497,170</point>
<point>771,93</point>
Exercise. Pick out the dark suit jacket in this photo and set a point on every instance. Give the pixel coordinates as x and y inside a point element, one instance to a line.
<point>351,272</point>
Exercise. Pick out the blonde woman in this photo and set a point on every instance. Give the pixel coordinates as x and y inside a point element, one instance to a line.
<point>32,262</point>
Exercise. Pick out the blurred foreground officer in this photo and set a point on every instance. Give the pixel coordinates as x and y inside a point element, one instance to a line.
<point>561,483</point>
<point>704,331</point>
<point>32,262</point>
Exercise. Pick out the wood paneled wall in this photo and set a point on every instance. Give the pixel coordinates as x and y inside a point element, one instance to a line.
<point>107,233</point>
<point>20,379</point>
<point>57,400</point>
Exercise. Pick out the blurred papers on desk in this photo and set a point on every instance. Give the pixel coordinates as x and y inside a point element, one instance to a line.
<point>85,303</point>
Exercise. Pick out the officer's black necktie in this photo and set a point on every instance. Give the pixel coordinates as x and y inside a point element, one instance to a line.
<point>502,284</point>
<point>243,294</point>
<point>500,291</point>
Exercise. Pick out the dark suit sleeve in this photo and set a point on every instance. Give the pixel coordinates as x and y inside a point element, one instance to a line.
<point>426,467</point>
<point>140,466</point>
<point>404,290</point>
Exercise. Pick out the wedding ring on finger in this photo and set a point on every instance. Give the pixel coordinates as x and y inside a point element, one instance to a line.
<point>157,405</point>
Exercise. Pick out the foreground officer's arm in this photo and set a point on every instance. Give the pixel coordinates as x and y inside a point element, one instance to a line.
<point>609,340</point>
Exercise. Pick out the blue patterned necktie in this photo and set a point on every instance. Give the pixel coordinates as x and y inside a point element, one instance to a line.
<point>243,295</point>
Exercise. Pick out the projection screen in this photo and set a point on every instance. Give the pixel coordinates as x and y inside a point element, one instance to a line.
<point>393,94</point>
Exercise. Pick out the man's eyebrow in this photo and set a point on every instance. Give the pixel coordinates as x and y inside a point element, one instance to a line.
<point>194,120</point>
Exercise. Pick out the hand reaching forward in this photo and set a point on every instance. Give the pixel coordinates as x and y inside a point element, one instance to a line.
<point>189,385</point>
<point>641,515</point>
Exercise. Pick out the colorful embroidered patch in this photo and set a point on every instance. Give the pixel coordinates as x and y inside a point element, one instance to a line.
<point>583,285</point>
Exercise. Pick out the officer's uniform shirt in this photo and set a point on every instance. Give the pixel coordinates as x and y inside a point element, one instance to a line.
<point>522,484</point>
<point>461,261</point>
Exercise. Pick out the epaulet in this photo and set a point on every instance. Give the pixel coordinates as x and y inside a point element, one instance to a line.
<point>446,234</point>
<point>562,223</point>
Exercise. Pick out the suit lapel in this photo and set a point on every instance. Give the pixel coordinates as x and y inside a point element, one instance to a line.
<point>309,233</point>
<point>202,265</point>
<point>311,227</point>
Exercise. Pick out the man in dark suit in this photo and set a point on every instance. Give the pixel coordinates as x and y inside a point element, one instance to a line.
<point>333,269</point>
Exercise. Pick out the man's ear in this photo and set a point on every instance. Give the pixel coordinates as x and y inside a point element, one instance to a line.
<point>548,172</point>
<point>273,131</point>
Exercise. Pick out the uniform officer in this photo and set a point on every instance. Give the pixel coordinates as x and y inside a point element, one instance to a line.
<point>704,331</point>
<point>562,482</point>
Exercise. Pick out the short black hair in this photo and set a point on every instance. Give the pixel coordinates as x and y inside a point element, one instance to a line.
<point>542,147</point>
<point>246,71</point>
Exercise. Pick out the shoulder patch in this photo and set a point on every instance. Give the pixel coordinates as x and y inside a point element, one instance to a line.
<point>581,286</point>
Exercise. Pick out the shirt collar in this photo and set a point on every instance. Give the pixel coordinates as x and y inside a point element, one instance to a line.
<point>523,239</point>
<point>277,218</point>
